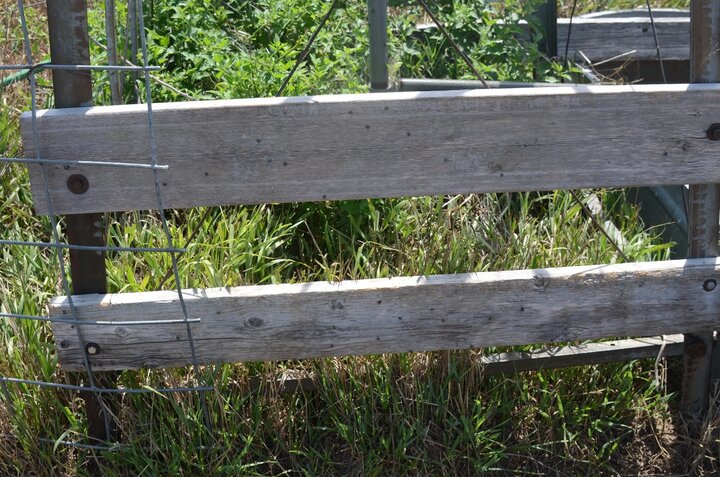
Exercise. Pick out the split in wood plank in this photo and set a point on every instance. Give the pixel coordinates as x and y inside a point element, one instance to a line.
<point>307,320</point>
<point>390,145</point>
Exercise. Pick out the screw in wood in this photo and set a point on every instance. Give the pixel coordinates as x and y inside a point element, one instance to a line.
<point>92,349</point>
<point>713,132</point>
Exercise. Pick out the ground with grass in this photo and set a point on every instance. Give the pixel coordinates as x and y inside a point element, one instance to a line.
<point>401,414</point>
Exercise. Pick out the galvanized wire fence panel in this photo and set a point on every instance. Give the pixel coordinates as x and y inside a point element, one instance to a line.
<point>201,384</point>
<point>30,69</point>
<point>27,72</point>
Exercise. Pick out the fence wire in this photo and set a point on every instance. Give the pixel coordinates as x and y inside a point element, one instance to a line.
<point>29,70</point>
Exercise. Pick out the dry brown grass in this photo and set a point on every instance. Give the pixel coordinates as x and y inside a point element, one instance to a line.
<point>12,52</point>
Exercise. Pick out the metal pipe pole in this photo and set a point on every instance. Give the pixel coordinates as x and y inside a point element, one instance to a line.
<point>703,208</point>
<point>132,41</point>
<point>116,79</point>
<point>413,84</point>
<point>68,32</point>
<point>377,24</point>
<point>547,14</point>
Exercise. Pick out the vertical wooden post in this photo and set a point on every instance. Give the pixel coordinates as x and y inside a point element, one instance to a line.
<point>703,207</point>
<point>377,25</point>
<point>68,32</point>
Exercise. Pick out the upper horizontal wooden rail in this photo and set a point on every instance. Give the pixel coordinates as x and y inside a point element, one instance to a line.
<point>380,145</point>
<point>275,322</point>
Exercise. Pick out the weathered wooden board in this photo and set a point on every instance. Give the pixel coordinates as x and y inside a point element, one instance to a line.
<point>583,354</point>
<point>604,38</point>
<point>276,322</point>
<point>389,145</point>
<point>294,381</point>
<point>604,35</point>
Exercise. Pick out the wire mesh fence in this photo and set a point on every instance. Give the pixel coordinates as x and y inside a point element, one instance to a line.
<point>29,71</point>
<point>203,382</point>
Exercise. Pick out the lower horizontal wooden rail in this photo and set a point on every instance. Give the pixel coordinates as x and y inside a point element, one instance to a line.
<point>500,363</point>
<point>582,354</point>
<point>309,320</point>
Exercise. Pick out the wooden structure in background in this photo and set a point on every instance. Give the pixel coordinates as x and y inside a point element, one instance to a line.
<point>600,37</point>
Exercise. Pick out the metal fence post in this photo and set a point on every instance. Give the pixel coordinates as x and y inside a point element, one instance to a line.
<point>68,32</point>
<point>377,25</point>
<point>547,15</point>
<point>703,207</point>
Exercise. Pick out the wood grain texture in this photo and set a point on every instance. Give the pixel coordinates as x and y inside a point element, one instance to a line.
<point>277,322</point>
<point>603,38</point>
<point>554,357</point>
<point>390,145</point>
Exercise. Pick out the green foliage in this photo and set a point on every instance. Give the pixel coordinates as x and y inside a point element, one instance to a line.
<point>237,49</point>
<point>244,49</point>
<point>489,32</point>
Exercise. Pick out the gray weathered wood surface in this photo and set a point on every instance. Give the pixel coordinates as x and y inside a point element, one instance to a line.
<point>389,145</point>
<point>604,38</point>
<point>604,35</point>
<point>276,322</point>
<point>555,357</point>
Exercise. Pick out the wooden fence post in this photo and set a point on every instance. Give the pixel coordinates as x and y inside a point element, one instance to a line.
<point>703,210</point>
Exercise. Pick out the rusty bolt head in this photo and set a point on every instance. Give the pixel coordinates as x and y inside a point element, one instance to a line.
<point>709,284</point>
<point>78,184</point>
<point>713,132</point>
<point>92,349</point>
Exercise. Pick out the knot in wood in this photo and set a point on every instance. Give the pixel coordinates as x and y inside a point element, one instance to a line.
<point>254,322</point>
<point>541,282</point>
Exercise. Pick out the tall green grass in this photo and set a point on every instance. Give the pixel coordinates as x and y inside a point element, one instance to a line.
<point>400,414</point>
